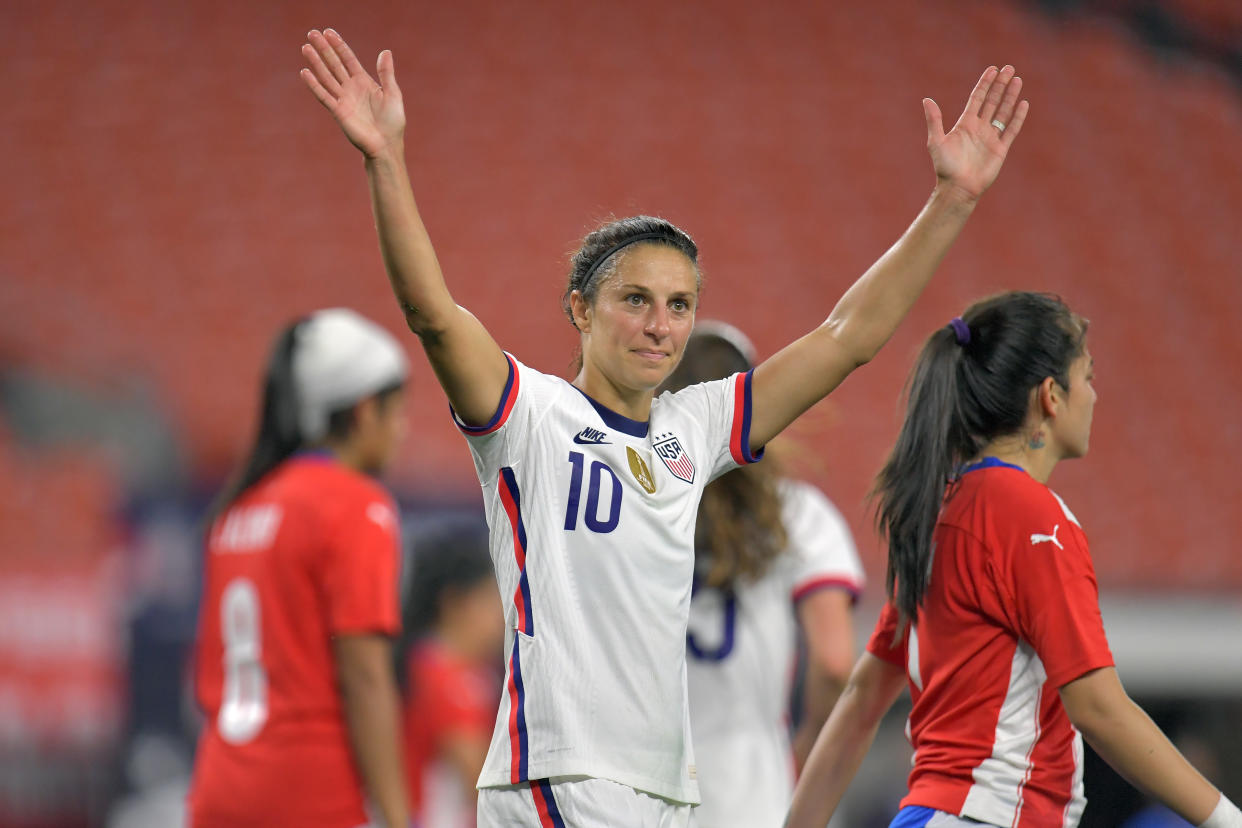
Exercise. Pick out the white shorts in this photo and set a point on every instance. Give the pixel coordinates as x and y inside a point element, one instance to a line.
<point>578,802</point>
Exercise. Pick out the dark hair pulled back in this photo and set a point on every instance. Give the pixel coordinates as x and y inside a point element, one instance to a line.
<point>279,429</point>
<point>603,249</point>
<point>960,398</point>
<point>740,528</point>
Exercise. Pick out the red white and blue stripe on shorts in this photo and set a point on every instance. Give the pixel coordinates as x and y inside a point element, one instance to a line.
<point>545,804</point>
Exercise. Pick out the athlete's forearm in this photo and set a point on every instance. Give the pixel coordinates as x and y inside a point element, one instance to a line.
<point>844,741</point>
<point>1132,744</point>
<point>820,694</point>
<point>1125,737</point>
<point>870,311</point>
<point>825,618</point>
<point>805,371</point>
<point>831,766</point>
<point>405,246</point>
<point>370,701</point>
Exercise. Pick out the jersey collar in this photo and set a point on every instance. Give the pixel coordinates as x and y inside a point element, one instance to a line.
<point>988,463</point>
<point>615,421</point>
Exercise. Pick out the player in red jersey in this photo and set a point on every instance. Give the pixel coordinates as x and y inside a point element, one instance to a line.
<point>998,633</point>
<point>456,635</point>
<point>293,665</point>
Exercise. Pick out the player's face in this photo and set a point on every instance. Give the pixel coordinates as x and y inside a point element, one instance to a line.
<point>642,317</point>
<point>1072,427</point>
<point>382,427</point>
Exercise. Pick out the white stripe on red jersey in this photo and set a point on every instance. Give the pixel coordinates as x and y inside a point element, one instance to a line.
<point>1010,616</point>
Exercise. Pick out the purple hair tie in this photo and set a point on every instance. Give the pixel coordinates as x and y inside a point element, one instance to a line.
<point>961,330</point>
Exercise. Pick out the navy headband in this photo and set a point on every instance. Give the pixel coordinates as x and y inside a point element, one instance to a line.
<point>621,245</point>
<point>961,330</point>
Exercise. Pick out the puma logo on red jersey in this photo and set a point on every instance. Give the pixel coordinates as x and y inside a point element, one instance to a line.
<point>1037,538</point>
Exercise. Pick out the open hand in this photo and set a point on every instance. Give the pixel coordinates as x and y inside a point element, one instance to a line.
<point>371,114</point>
<point>970,156</point>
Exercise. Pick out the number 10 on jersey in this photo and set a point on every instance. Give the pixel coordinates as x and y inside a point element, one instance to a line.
<point>591,517</point>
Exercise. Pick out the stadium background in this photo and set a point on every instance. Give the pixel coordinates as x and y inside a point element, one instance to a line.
<point>173,196</point>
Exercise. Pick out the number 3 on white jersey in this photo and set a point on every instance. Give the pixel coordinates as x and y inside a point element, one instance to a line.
<point>244,710</point>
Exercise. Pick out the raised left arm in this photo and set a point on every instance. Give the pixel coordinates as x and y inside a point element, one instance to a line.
<point>967,161</point>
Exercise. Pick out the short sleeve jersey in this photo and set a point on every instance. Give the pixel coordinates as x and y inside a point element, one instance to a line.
<point>592,535</point>
<point>309,552</point>
<point>741,649</point>
<point>448,697</point>
<point>1010,616</point>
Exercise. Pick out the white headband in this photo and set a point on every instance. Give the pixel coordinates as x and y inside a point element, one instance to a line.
<point>340,358</point>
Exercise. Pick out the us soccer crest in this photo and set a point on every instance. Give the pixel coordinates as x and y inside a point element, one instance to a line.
<point>675,458</point>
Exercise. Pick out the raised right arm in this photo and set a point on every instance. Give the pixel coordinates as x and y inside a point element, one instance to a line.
<point>467,361</point>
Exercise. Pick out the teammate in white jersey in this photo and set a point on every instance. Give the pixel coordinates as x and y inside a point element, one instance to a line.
<point>993,618</point>
<point>592,485</point>
<point>770,555</point>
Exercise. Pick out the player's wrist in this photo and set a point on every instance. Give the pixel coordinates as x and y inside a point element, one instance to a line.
<point>1226,815</point>
<point>390,154</point>
<point>951,196</point>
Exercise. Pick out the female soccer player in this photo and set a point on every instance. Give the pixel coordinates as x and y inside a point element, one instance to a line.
<point>293,663</point>
<point>771,555</point>
<point>455,632</point>
<point>592,486</point>
<point>993,616</point>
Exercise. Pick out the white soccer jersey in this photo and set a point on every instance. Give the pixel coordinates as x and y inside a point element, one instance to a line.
<point>592,534</point>
<point>741,654</point>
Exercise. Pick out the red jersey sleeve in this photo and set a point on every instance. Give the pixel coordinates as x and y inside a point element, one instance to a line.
<point>880,644</point>
<point>1056,602</point>
<point>361,568</point>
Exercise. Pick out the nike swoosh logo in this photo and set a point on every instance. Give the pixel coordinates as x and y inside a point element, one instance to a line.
<point>588,441</point>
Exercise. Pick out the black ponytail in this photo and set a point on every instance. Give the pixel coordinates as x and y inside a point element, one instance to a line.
<point>279,430</point>
<point>740,529</point>
<point>967,388</point>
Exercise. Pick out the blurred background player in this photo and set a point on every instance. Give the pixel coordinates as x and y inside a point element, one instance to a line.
<point>592,487</point>
<point>293,664</point>
<point>453,633</point>
<point>772,556</point>
<point>993,618</point>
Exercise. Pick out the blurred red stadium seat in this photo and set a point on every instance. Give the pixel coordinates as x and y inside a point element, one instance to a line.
<point>173,214</point>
